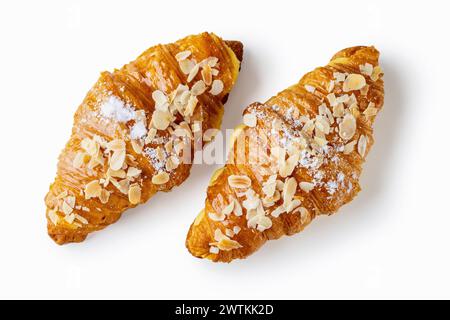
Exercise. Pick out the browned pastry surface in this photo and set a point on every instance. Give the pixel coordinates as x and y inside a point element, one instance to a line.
<point>296,156</point>
<point>134,129</point>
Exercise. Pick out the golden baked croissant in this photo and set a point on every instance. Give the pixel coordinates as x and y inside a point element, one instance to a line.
<point>133,134</point>
<point>296,156</point>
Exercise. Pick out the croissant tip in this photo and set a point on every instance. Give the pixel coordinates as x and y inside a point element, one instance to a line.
<point>237,47</point>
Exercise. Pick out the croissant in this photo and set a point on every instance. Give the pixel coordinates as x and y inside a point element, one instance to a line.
<point>297,156</point>
<point>133,135</point>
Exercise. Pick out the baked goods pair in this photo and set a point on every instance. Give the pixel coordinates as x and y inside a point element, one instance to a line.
<point>296,156</point>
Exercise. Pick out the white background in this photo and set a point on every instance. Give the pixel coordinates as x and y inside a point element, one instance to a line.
<point>392,241</point>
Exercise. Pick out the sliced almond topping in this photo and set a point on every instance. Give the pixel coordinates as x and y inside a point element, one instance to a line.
<point>82,219</point>
<point>338,110</point>
<point>121,174</point>
<point>62,195</point>
<point>207,75</point>
<point>237,210</point>
<point>137,146</point>
<point>92,190</point>
<point>104,196</point>
<point>306,186</point>
<point>216,87</point>
<point>366,69</point>
<point>90,146</point>
<point>214,216</point>
<point>161,119</point>
<point>198,88</point>
<point>227,244</point>
<point>347,127</point>
<point>193,73</point>
<point>339,76</point>
<point>116,145</point>
<point>279,210</point>
<point>134,194</point>
<point>264,223</point>
<point>133,172</point>
<point>79,159</point>
<point>362,145</point>
<point>183,55</point>
<point>250,120</point>
<point>228,209</point>
<point>70,218</point>
<point>159,97</point>
<point>54,218</point>
<point>150,135</point>
<point>186,66</point>
<point>190,107</point>
<point>292,205</point>
<point>236,229</point>
<point>353,82</point>
<point>172,163</point>
<point>289,190</point>
<point>161,177</point>
<point>287,167</point>
<point>239,181</point>
<point>332,99</point>
<point>304,214</point>
<point>117,160</point>
<point>349,147</point>
<point>66,209</point>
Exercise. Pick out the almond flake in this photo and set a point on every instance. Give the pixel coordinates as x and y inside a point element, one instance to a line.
<point>66,209</point>
<point>289,190</point>
<point>198,88</point>
<point>306,186</point>
<point>104,196</point>
<point>366,69</point>
<point>349,147</point>
<point>370,110</point>
<point>161,177</point>
<point>161,119</point>
<point>236,229</point>
<point>137,146</point>
<point>338,110</point>
<point>332,99</point>
<point>214,216</point>
<point>54,218</point>
<point>239,181</point>
<point>159,97</point>
<point>183,55</point>
<point>347,127</point>
<point>237,210</point>
<point>172,163</point>
<point>228,209</point>
<point>228,244</point>
<point>70,218</point>
<point>193,73</point>
<point>134,194</point>
<point>186,66</point>
<point>353,82</point>
<point>133,172</point>
<point>279,210</point>
<point>79,159</point>
<point>90,146</point>
<point>116,145</point>
<point>250,120</point>
<point>362,145</point>
<point>190,107</point>
<point>92,190</point>
<point>117,160</point>
<point>207,75</point>
<point>216,87</point>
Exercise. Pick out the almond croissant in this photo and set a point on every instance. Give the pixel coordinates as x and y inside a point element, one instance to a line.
<point>133,134</point>
<point>296,156</point>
